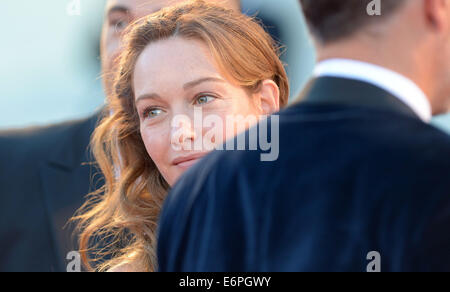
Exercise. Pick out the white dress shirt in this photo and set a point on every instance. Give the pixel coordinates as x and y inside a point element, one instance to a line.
<point>398,85</point>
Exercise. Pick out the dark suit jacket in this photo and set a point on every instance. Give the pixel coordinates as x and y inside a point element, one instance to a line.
<point>358,172</point>
<point>42,184</point>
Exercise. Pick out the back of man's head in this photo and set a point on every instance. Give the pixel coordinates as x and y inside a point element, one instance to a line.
<point>410,37</point>
<point>332,20</point>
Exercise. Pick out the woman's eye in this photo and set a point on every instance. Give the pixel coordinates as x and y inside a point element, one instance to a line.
<point>152,113</point>
<point>204,99</point>
<point>120,25</point>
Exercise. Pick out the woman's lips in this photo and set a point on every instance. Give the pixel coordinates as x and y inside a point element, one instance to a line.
<point>188,164</point>
<point>189,160</point>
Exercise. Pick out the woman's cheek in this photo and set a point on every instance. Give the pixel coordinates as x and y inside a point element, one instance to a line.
<point>158,146</point>
<point>236,120</point>
<point>156,143</point>
<point>216,134</point>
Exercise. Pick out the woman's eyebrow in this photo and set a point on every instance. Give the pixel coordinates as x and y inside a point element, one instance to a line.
<point>118,9</point>
<point>201,80</point>
<point>186,86</point>
<point>147,96</point>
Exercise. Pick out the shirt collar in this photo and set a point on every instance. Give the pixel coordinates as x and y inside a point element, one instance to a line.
<point>394,83</point>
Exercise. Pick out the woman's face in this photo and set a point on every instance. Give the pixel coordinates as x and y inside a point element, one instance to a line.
<point>177,89</point>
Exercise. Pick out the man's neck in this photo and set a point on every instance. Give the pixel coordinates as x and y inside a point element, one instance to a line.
<point>394,83</point>
<point>402,62</point>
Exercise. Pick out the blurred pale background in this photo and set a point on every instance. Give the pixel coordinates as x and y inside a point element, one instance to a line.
<point>49,59</point>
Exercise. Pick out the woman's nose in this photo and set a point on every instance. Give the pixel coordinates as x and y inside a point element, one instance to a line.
<point>183,135</point>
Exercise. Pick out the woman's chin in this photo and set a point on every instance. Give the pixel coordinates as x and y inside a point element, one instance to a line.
<point>179,169</point>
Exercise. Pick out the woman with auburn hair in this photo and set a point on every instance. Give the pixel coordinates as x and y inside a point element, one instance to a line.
<point>190,57</point>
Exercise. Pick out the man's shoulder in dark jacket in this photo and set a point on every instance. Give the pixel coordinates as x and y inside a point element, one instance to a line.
<point>43,181</point>
<point>348,180</point>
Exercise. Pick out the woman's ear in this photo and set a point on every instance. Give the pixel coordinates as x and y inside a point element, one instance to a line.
<point>268,97</point>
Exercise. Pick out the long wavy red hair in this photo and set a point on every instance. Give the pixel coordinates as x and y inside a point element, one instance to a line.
<point>119,221</point>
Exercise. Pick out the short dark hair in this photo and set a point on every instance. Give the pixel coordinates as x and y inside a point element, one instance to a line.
<point>331,20</point>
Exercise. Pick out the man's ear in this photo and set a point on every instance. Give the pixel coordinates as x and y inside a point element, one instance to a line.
<point>438,14</point>
<point>267,99</point>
